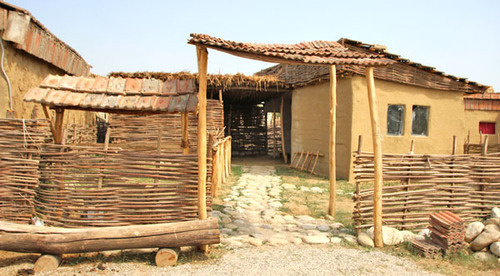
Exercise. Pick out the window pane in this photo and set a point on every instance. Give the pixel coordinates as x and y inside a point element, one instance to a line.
<point>420,120</point>
<point>395,116</point>
<point>487,128</point>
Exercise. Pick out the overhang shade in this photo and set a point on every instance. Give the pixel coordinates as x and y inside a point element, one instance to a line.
<point>312,53</point>
<point>115,95</point>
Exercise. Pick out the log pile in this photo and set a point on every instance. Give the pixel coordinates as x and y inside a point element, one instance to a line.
<point>141,132</point>
<point>21,143</point>
<point>419,185</point>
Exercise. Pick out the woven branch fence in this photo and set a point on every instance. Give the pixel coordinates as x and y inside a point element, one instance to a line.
<point>21,143</point>
<point>418,185</point>
<point>141,132</point>
<point>79,186</point>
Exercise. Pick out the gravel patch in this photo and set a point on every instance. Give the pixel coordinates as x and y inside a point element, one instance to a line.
<point>283,260</point>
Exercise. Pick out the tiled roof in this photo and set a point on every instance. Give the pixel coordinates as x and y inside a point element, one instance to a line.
<point>115,94</point>
<point>401,71</point>
<point>29,35</point>
<point>314,52</point>
<point>486,101</point>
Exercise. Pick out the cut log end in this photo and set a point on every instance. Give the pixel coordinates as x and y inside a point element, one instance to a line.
<point>167,256</point>
<point>47,263</point>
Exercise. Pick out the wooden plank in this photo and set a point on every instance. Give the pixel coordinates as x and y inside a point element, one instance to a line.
<point>377,151</point>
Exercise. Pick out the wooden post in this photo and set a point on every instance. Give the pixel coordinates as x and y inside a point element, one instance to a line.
<point>377,156</point>
<point>454,146</point>
<point>58,138</point>
<point>274,128</point>
<point>285,157</point>
<point>51,124</point>
<point>360,143</point>
<point>412,146</point>
<point>185,138</point>
<point>485,146</point>
<point>106,147</point>
<point>332,164</point>
<point>202,56</point>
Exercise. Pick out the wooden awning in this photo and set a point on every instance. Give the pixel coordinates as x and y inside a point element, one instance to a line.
<point>312,53</point>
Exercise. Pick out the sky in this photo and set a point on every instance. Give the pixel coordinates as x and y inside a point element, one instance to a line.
<point>458,37</point>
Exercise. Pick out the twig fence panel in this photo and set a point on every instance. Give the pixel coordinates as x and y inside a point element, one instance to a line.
<point>21,143</point>
<point>418,185</point>
<point>142,132</point>
<point>80,186</point>
<point>77,134</point>
<point>90,186</point>
<point>221,163</point>
<point>273,135</point>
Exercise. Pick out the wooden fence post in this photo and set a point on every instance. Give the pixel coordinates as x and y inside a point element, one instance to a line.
<point>285,157</point>
<point>377,156</point>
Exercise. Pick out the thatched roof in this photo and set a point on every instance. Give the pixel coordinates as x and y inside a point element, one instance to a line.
<point>225,82</point>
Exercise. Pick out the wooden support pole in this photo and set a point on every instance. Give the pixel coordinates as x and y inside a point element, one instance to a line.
<point>59,137</point>
<point>283,151</point>
<point>332,152</point>
<point>167,256</point>
<point>412,146</point>
<point>360,143</point>
<point>185,138</point>
<point>51,124</point>
<point>202,56</point>
<point>106,147</point>
<point>377,156</point>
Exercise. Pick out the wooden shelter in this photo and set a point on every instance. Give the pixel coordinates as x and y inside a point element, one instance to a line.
<point>326,53</point>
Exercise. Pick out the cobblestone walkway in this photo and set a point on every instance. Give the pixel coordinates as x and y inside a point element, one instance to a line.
<point>252,216</point>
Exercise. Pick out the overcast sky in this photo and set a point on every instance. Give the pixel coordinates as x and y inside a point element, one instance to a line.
<point>458,37</point>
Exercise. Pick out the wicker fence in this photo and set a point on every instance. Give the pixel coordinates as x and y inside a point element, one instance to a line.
<point>21,143</point>
<point>78,186</point>
<point>417,185</point>
<point>221,163</point>
<point>144,132</point>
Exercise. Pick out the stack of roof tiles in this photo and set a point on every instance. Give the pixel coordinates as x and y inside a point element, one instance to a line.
<point>116,94</point>
<point>448,231</point>
<point>447,236</point>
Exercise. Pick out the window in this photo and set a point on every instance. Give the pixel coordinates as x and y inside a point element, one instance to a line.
<point>395,118</point>
<point>487,128</point>
<point>420,120</point>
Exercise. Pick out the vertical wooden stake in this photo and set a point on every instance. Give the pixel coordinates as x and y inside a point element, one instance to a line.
<point>485,146</point>
<point>51,124</point>
<point>274,131</point>
<point>106,147</point>
<point>454,147</point>
<point>185,138</point>
<point>202,56</point>
<point>332,164</point>
<point>285,157</point>
<point>412,146</point>
<point>377,155</point>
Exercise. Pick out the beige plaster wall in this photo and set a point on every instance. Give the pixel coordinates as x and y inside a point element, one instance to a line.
<point>26,71</point>
<point>310,124</point>
<point>446,117</point>
<point>472,119</point>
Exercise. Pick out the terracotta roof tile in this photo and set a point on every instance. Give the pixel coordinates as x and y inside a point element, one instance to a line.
<point>115,94</point>
<point>314,52</point>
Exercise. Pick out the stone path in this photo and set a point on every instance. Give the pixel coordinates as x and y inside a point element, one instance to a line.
<point>252,216</point>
